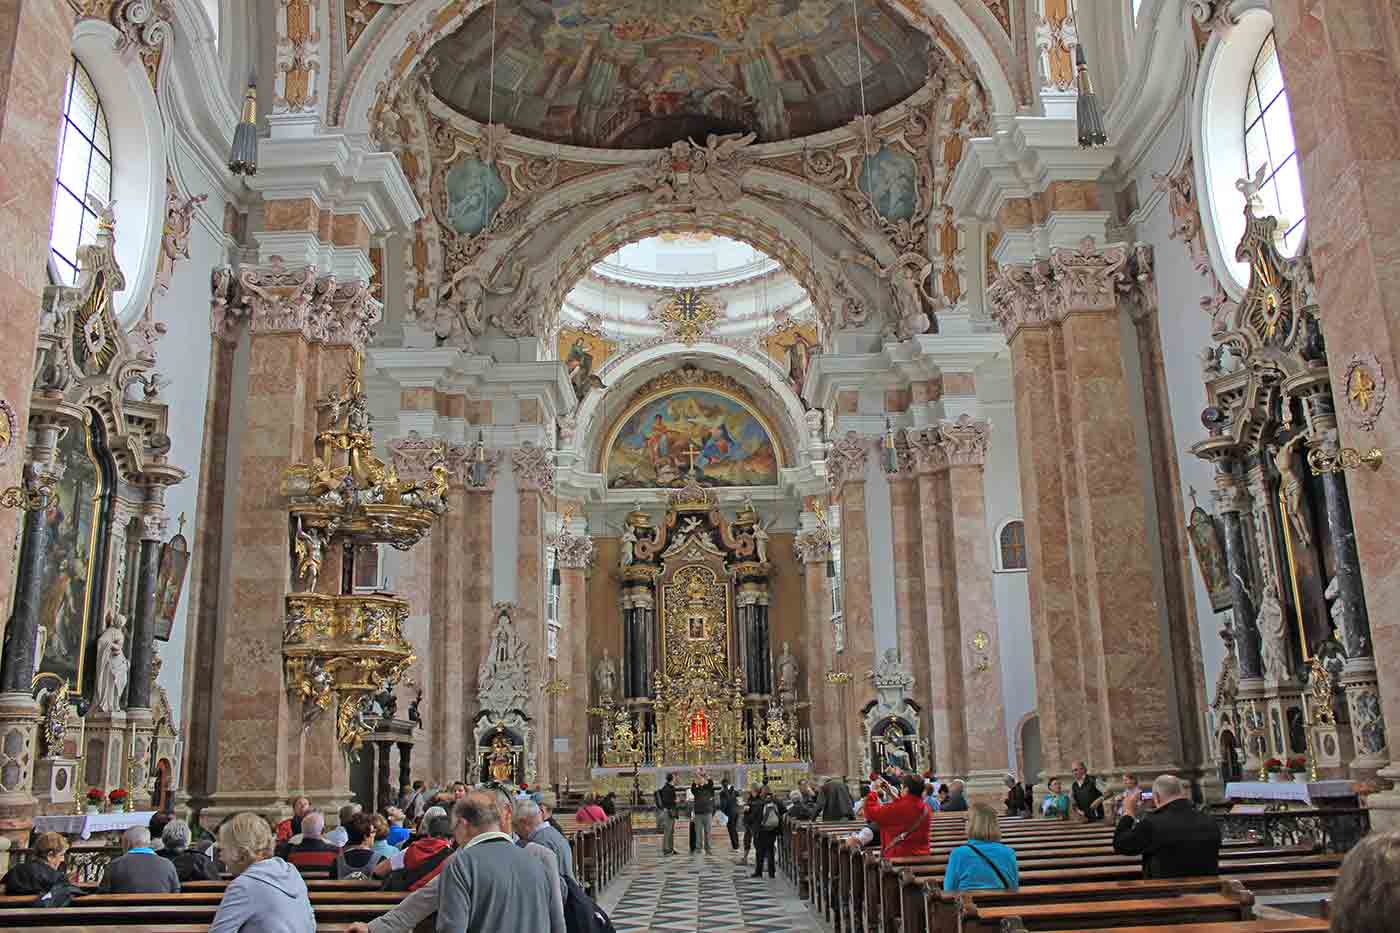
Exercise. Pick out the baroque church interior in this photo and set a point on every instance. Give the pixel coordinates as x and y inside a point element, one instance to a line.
<point>569,393</point>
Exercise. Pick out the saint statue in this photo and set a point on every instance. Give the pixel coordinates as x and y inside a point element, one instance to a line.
<point>787,673</point>
<point>1274,635</point>
<point>629,544</point>
<point>501,762</point>
<point>1291,489</point>
<point>606,676</point>
<point>112,665</point>
<point>760,541</point>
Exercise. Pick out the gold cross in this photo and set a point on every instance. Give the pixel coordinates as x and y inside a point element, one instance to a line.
<point>692,450</point>
<point>1362,385</point>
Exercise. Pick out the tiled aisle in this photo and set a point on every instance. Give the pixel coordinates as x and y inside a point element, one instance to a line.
<point>708,893</point>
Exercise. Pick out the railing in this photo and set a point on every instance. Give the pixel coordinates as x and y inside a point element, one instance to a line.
<point>1332,830</point>
<point>83,866</point>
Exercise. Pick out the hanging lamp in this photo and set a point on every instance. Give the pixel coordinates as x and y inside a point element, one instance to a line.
<point>1088,114</point>
<point>243,155</point>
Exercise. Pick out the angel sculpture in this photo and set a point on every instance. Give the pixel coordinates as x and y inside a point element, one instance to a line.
<point>760,539</point>
<point>906,279</point>
<point>310,550</point>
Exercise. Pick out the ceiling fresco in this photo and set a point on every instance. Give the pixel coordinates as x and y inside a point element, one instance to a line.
<point>641,74</point>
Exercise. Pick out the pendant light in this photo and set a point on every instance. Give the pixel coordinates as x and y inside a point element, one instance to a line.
<point>243,156</point>
<point>478,471</point>
<point>891,456</point>
<point>1089,116</point>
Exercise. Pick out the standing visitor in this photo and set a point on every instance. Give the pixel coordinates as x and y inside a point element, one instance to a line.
<point>770,823</point>
<point>1175,840</point>
<point>729,806</point>
<point>1016,802</point>
<point>666,815</point>
<point>1085,796</point>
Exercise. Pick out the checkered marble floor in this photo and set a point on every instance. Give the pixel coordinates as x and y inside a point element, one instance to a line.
<point>687,893</point>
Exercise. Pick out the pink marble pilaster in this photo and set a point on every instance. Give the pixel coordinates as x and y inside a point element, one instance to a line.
<point>34,39</point>
<point>909,612</point>
<point>1341,63</point>
<point>573,668</point>
<point>819,656</point>
<point>454,658</point>
<point>855,587</point>
<point>943,719</point>
<point>530,618</point>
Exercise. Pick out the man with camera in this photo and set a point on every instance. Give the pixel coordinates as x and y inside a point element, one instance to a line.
<point>1175,839</point>
<point>904,821</point>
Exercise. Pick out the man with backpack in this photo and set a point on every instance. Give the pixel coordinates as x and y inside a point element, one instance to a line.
<point>770,822</point>
<point>729,806</point>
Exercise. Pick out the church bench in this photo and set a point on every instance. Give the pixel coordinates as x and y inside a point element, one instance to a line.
<point>1175,911</point>
<point>161,915</point>
<point>1288,925</point>
<point>383,899</point>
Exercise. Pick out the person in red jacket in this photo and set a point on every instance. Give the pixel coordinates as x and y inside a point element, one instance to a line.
<point>906,822</point>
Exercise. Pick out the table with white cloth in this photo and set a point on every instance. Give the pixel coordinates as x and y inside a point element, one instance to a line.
<point>84,825</point>
<point>1311,794</point>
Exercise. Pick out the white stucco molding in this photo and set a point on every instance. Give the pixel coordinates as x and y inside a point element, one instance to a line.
<point>1023,157</point>
<point>1161,57</point>
<point>340,173</point>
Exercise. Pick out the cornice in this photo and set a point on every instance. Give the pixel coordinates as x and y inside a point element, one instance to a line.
<point>339,172</point>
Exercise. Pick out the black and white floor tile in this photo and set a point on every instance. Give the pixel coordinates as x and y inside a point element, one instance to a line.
<point>700,893</point>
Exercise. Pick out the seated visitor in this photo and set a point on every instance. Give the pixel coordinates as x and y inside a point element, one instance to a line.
<point>313,853</point>
<point>43,870</point>
<point>398,833</point>
<point>799,806</point>
<point>189,864</point>
<point>590,812</point>
<point>381,836</point>
<point>159,820</point>
<point>1017,802</point>
<point>424,857</point>
<point>956,802</point>
<point>983,863</point>
<point>267,895</point>
<point>338,836</point>
<point>140,870</point>
<point>548,802</point>
<point>1175,840</point>
<point>292,826</point>
<point>357,857</point>
<point>905,822</point>
<point>609,803</point>
<point>834,801</point>
<point>1056,805</point>
<point>1367,896</point>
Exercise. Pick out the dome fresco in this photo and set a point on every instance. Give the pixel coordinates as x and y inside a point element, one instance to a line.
<point>639,74</point>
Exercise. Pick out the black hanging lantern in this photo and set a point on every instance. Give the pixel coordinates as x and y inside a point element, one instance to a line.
<point>243,157</point>
<point>1090,117</point>
<point>554,578</point>
<point>478,467</point>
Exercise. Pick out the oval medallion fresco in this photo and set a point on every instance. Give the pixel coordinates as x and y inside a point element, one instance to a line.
<point>474,191</point>
<point>663,440</point>
<point>891,180</point>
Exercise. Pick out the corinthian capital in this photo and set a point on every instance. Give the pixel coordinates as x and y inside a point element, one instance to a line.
<point>532,467</point>
<point>1086,279</point>
<point>964,441</point>
<point>847,459</point>
<point>353,312</point>
<point>572,551</point>
<point>228,309</point>
<point>813,546</point>
<point>413,456</point>
<point>928,453</point>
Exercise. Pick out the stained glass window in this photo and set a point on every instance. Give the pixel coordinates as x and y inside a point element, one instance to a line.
<point>1268,143</point>
<point>84,168</point>
<point>1012,545</point>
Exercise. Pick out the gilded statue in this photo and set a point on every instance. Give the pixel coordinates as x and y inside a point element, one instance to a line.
<point>1320,692</point>
<point>501,760</point>
<point>1291,488</point>
<point>310,551</point>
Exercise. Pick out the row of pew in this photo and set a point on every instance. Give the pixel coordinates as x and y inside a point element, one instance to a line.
<point>1071,879</point>
<point>600,850</point>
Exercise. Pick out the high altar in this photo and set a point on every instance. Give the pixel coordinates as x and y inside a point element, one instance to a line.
<point>698,680</point>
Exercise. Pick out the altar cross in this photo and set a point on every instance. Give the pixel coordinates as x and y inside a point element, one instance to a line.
<point>692,451</point>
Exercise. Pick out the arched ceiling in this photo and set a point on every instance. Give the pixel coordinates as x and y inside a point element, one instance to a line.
<point>640,74</point>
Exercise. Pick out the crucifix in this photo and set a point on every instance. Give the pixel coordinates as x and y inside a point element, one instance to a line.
<point>692,451</point>
<point>1191,491</point>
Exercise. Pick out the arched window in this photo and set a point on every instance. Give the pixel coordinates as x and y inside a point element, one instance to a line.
<point>1011,545</point>
<point>1268,144</point>
<point>84,168</point>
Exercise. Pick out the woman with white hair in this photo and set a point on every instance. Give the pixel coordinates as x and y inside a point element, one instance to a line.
<point>267,895</point>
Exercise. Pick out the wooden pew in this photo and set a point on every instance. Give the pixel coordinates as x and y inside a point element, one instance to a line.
<point>1227,905</point>
<point>160,915</point>
<point>1289,925</point>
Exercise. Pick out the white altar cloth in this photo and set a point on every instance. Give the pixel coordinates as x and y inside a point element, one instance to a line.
<point>1288,790</point>
<point>84,825</point>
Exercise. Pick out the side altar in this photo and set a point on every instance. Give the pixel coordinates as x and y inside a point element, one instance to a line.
<point>699,684</point>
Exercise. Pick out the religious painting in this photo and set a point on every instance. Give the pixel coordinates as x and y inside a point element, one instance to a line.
<point>691,433</point>
<point>793,349</point>
<point>890,179</point>
<point>71,521</point>
<point>697,628</point>
<point>583,355</point>
<point>170,584</point>
<point>1210,558</point>
<point>642,74</point>
<point>474,192</point>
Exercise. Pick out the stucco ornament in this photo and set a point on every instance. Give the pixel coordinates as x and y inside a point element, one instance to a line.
<point>1364,390</point>
<point>708,179</point>
<point>503,679</point>
<point>907,279</point>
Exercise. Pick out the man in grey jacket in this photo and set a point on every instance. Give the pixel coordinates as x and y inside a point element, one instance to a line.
<point>140,870</point>
<point>528,822</point>
<point>491,885</point>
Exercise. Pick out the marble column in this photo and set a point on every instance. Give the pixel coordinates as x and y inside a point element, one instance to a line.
<point>1347,127</point>
<point>455,658</point>
<point>813,549</point>
<point>574,554</point>
<point>909,613</point>
<point>943,718</point>
<point>22,630</point>
<point>964,444</point>
<point>34,38</point>
<point>1232,502</point>
<point>534,478</point>
<point>847,465</point>
<point>143,618</point>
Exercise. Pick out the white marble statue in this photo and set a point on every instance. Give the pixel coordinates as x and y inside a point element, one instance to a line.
<point>629,545</point>
<point>816,423</point>
<point>112,666</point>
<point>760,542</point>
<point>787,672</point>
<point>606,676</point>
<point>1273,635</point>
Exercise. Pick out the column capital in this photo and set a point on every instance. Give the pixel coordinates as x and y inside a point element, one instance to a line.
<point>228,308</point>
<point>963,441</point>
<point>812,546</point>
<point>1045,291</point>
<point>533,471</point>
<point>300,300</point>
<point>847,458</point>
<point>414,455</point>
<point>459,464</point>
<point>154,527</point>
<point>573,551</point>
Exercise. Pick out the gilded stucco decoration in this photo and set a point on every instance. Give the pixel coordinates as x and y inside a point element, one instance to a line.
<point>1365,390</point>
<point>1056,36</point>
<point>298,56</point>
<point>687,315</point>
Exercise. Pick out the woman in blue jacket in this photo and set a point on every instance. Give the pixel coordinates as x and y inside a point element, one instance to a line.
<point>983,863</point>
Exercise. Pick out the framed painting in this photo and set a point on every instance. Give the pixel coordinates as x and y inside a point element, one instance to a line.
<point>680,434</point>
<point>583,355</point>
<point>170,584</point>
<point>72,522</point>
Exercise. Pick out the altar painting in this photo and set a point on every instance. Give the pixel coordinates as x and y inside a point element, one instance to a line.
<point>718,438</point>
<point>70,519</point>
